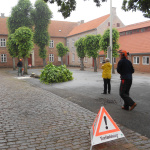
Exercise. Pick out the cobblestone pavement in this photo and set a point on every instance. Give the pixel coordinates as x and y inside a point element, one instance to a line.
<point>35,119</point>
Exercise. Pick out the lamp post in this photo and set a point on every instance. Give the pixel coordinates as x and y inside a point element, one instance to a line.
<point>110,32</point>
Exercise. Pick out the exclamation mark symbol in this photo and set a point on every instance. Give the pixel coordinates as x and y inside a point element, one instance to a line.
<point>105,122</point>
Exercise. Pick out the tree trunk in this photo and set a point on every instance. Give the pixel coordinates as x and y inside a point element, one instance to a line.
<point>82,64</point>
<point>25,65</point>
<point>44,62</point>
<point>14,67</point>
<point>61,60</point>
<point>113,68</point>
<point>95,65</point>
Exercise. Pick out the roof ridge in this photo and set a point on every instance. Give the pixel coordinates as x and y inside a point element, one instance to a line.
<point>63,21</point>
<point>98,18</point>
<point>134,24</point>
<point>90,25</point>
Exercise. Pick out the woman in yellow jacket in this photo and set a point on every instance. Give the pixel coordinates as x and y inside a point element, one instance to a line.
<point>106,75</point>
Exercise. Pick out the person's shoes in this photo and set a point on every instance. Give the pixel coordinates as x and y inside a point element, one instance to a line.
<point>133,106</point>
<point>103,93</point>
<point>124,108</point>
<point>108,92</point>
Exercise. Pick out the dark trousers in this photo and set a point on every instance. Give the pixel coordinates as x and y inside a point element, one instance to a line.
<point>20,70</point>
<point>107,85</point>
<point>125,86</point>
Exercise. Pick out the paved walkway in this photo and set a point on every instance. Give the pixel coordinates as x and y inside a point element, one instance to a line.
<point>34,119</point>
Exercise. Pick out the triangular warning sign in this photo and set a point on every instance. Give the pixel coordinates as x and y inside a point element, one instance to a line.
<point>104,128</point>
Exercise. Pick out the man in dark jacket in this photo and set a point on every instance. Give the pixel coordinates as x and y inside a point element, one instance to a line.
<point>19,65</point>
<point>125,69</point>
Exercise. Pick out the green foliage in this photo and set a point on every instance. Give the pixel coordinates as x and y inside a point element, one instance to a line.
<point>24,37</point>
<point>55,74</point>
<point>91,43</point>
<point>20,16</point>
<point>62,50</point>
<point>41,16</point>
<point>105,41</point>
<point>12,46</point>
<point>67,6</point>
<point>80,47</point>
<point>141,5</point>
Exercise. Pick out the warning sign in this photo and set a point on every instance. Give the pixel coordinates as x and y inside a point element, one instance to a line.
<point>104,129</point>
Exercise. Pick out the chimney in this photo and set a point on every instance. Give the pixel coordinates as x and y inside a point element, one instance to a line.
<point>2,15</point>
<point>114,10</point>
<point>81,22</point>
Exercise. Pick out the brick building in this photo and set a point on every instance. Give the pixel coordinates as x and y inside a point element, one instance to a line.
<point>96,26</point>
<point>58,31</point>
<point>133,38</point>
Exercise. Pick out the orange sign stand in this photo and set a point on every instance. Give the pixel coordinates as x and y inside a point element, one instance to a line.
<point>104,129</point>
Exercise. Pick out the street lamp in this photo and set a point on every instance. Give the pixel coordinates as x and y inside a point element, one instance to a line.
<point>110,32</point>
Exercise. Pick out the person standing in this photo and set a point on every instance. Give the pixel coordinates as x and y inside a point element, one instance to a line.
<point>125,69</point>
<point>106,75</point>
<point>19,65</point>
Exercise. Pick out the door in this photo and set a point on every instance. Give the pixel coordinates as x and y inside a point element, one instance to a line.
<point>30,60</point>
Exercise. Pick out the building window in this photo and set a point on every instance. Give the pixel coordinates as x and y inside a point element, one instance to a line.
<point>51,44</point>
<point>114,60</point>
<point>85,59</point>
<point>79,59</point>
<point>73,57</point>
<point>101,59</point>
<point>72,43</point>
<point>2,42</point>
<point>129,32</point>
<point>67,43</point>
<point>136,60</point>
<point>51,57</point>
<point>108,23</point>
<point>118,24</point>
<point>145,60</point>
<point>122,33</point>
<point>143,29</point>
<point>3,58</point>
<point>59,58</point>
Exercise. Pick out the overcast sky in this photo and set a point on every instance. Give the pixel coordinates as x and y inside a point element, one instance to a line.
<point>85,10</point>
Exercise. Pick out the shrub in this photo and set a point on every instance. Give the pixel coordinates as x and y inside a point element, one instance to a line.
<point>55,74</point>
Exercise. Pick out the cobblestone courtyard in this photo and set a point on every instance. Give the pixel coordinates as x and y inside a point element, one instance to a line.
<point>35,119</point>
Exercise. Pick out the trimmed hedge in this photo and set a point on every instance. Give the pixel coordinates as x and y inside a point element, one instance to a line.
<point>55,74</point>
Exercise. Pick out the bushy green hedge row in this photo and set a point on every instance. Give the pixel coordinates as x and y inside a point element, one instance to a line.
<point>55,74</point>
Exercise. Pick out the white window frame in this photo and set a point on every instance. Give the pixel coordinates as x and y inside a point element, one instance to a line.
<point>135,58</point>
<point>59,58</point>
<point>67,43</point>
<point>2,42</point>
<point>73,57</point>
<point>86,59</point>
<point>101,59</point>
<point>3,58</point>
<point>146,59</point>
<point>73,43</point>
<point>51,44</point>
<point>79,59</point>
<point>51,57</point>
<point>114,60</point>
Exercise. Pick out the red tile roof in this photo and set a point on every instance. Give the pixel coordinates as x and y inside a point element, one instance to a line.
<point>54,27</point>
<point>136,43</point>
<point>61,28</point>
<point>135,26</point>
<point>3,26</point>
<point>88,26</point>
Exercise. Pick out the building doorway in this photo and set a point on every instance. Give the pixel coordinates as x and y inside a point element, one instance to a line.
<point>30,60</point>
